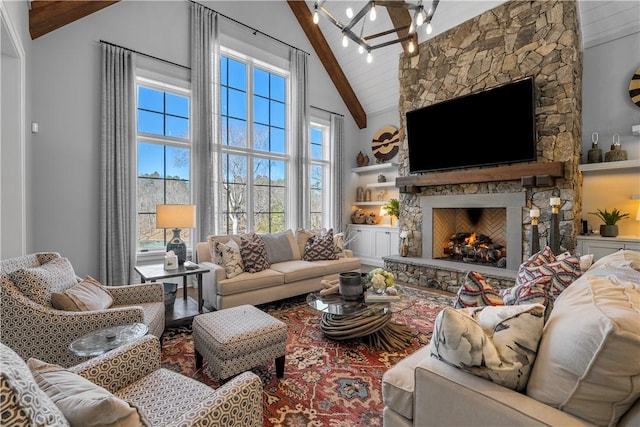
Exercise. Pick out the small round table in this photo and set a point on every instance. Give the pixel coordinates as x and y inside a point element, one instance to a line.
<point>102,340</point>
<point>346,320</point>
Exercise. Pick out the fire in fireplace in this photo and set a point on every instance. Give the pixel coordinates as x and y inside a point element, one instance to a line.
<point>475,248</point>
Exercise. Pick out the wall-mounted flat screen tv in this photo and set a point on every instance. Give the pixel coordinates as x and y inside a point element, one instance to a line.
<point>495,126</point>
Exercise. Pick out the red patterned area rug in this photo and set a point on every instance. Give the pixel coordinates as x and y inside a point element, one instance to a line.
<point>326,383</point>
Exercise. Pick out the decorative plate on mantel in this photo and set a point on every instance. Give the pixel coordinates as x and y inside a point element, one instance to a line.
<point>634,88</point>
<point>386,143</point>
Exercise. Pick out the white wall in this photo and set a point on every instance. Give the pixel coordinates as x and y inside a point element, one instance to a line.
<point>66,88</point>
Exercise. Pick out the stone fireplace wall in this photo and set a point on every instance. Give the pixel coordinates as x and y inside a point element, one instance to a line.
<point>514,40</point>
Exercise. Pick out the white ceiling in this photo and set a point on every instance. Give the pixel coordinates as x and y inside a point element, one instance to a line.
<point>376,84</point>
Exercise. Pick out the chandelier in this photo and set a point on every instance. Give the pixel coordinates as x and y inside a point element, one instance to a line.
<point>419,17</point>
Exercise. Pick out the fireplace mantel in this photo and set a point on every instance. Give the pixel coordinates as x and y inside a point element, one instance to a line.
<point>412,184</point>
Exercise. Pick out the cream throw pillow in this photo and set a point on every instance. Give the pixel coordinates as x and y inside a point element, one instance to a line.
<point>589,361</point>
<point>87,295</point>
<point>83,403</point>
<point>231,259</point>
<point>494,342</point>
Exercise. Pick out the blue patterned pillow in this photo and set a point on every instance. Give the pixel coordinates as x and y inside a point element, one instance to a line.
<point>253,253</point>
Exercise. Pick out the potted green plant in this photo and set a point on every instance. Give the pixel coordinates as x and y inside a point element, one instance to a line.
<point>392,208</point>
<point>610,219</point>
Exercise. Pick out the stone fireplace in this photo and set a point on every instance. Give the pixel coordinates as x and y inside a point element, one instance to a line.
<point>498,216</point>
<point>513,40</point>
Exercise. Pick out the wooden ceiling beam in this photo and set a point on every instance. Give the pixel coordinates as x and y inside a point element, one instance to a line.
<point>46,16</point>
<point>329,61</point>
<point>401,19</point>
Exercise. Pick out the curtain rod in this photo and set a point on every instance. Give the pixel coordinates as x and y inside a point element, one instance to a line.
<point>326,111</point>
<point>145,54</point>
<point>255,31</point>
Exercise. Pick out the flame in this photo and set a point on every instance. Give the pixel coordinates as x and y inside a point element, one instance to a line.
<point>469,240</point>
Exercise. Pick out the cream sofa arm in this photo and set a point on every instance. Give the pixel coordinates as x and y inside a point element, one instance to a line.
<point>447,396</point>
<point>210,282</point>
<point>237,403</point>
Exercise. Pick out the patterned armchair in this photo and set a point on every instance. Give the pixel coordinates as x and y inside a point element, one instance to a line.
<point>130,377</point>
<point>33,328</point>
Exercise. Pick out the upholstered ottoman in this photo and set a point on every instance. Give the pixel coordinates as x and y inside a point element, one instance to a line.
<point>237,339</point>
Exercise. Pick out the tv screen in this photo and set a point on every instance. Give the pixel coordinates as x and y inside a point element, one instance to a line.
<point>491,127</point>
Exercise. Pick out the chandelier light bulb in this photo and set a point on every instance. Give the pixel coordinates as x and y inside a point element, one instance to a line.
<point>372,14</point>
<point>349,13</point>
<point>316,18</point>
<point>419,18</point>
<point>411,47</point>
<point>369,58</point>
<point>345,41</point>
<point>429,29</point>
<point>360,50</point>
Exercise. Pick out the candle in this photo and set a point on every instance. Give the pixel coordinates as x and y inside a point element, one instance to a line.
<point>555,201</point>
<point>534,213</point>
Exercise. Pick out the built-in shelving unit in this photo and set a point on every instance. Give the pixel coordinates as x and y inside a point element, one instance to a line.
<point>375,167</point>
<point>372,203</point>
<point>605,166</point>
<point>390,184</point>
<point>385,184</point>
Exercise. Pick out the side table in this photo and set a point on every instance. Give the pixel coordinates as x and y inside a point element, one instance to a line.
<point>156,272</point>
<point>102,340</point>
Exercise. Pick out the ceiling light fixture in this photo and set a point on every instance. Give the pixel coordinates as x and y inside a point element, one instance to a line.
<point>405,33</point>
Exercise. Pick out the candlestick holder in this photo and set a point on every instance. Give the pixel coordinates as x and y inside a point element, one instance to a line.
<point>534,239</point>
<point>554,231</point>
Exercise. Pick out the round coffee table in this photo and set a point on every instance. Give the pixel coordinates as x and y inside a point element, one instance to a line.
<point>102,340</point>
<point>346,320</point>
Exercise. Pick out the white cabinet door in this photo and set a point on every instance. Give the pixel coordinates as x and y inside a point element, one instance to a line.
<point>386,242</point>
<point>362,245</point>
<point>603,246</point>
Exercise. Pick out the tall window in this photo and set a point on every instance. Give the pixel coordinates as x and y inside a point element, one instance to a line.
<point>255,150</point>
<point>319,175</point>
<point>163,157</point>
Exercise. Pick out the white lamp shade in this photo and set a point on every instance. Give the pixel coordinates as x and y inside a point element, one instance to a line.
<point>175,216</point>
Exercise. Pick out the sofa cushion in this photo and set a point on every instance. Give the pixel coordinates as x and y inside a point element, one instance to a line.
<point>320,247</point>
<point>588,362</point>
<point>37,283</point>
<point>253,253</point>
<point>497,343</point>
<point>82,402</point>
<point>250,281</point>
<point>339,265</point>
<point>22,402</point>
<point>87,295</point>
<point>293,271</point>
<point>230,258</point>
<point>280,246</point>
<point>476,292</point>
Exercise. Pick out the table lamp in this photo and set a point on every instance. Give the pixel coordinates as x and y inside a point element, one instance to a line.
<point>176,217</point>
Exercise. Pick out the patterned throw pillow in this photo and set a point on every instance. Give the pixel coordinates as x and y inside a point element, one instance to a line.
<point>37,283</point>
<point>561,273</point>
<point>495,343</point>
<point>320,247</point>
<point>87,295</point>
<point>338,242</point>
<point>254,253</point>
<point>476,292</point>
<point>230,258</point>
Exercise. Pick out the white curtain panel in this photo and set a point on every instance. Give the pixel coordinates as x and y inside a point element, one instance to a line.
<point>300,131</point>
<point>205,69</point>
<point>337,180</point>
<point>117,139</point>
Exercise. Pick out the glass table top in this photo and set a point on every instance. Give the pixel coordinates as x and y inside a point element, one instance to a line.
<point>337,304</point>
<point>102,340</point>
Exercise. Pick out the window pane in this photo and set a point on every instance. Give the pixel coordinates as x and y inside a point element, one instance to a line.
<point>316,177</point>
<point>237,104</point>
<point>260,110</point>
<point>224,63</point>
<point>316,152</point>
<point>236,199</point>
<point>224,101</point>
<point>277,114</point>
<point>260,199</point>
<point>150,99</point>
<point>277,169</point>
<point>261,137</point>
<point>278,199</point>
<point>150,194</point>
<point>234,168</point>
<point>277,88</point>
<point>261,82</point>
<point>178,192</point>
<point>261,223</point>
<point>224,134</point>
<point>237,75</point>
<point>178,127</point>
<point>178,163</point>
<point>149,237</point>
<point>261,171</point>
<point>237,132</point>
<point>316,200</point>
<point>177,105</point>
<point>316,135</point>
<point>150,160</point>
<point>277,141</point>
<point>316,220</point>
<point>149,122</point>
<point>277,222</point>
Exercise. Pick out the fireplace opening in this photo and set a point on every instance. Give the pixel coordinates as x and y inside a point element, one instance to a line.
<point>471,235</point>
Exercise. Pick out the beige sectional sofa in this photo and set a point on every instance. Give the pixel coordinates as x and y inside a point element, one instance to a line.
<point>290,275</point>
<point>586,371</point>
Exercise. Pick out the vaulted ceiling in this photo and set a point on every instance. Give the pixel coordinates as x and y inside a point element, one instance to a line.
<point>372,88</point>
